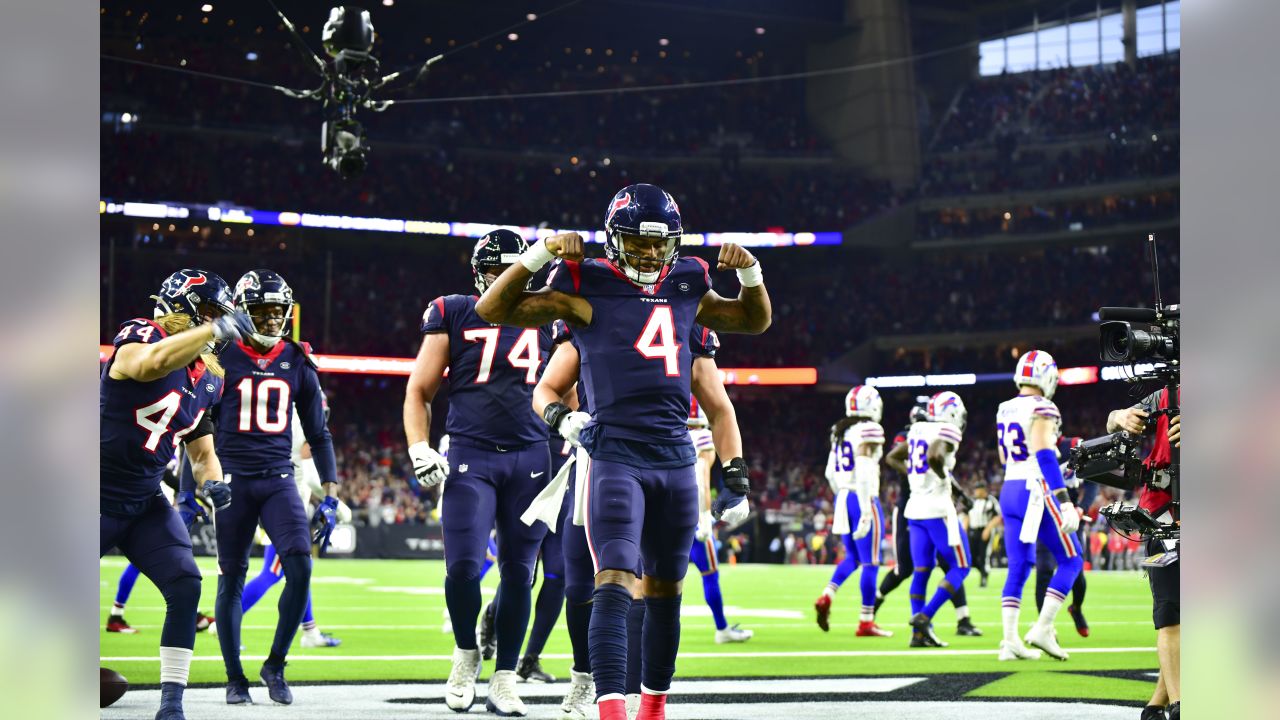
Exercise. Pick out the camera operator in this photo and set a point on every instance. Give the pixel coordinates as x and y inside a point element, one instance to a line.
<point>1156,499</point>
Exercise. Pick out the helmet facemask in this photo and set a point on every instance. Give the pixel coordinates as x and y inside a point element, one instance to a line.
<point>271,321</point>
<point>643,257</point>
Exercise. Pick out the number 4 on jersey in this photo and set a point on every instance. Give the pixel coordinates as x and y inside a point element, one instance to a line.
<point>658,340</point>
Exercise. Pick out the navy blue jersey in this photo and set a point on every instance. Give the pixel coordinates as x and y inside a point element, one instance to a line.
<point>492,372</point>
<point>142,422</point>
<point>255,416</point>
<point>636,355</point>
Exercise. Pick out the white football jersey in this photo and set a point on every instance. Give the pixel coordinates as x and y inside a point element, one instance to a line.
<point>930,493</point>
<point>701,438</point>
<point>1013,432</point>
<point>844,452</point>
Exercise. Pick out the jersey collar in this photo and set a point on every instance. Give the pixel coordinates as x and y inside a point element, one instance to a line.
<point>262,360</point>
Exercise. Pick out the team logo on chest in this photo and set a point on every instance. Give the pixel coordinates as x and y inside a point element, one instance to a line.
<point>263,363</point>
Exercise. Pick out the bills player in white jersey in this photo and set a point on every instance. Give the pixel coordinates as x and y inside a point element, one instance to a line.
<point>308,480</point>
<point>1034,503</point>
<point>927,458</point>
<point>853,469</point>
<point>703,554</point>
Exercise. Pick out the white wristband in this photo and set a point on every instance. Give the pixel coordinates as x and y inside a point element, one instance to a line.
<point>751,276</point>
<point>536,256</point>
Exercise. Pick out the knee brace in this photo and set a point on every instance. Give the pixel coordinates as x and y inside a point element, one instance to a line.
<point>182,593</point>
<point>515,572</point>
<point>297,569</point>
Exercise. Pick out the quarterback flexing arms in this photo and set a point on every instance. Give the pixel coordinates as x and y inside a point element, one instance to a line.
<point>629,314</point>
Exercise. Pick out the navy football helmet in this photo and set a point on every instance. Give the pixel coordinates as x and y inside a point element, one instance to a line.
<point>642,211</point>
<point>498,248</point>
<point>265,287</point>
<point>196,293</point>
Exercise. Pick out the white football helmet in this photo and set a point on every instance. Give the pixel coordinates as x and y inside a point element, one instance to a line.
<point>947,407</point>
<point>1037,369</point>
<point>697,416</point>
<point>864,401</point>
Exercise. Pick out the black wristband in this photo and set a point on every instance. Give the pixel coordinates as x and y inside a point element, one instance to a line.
<point>735,476</point>
<point>552,414</point>
<point>1062,495</point>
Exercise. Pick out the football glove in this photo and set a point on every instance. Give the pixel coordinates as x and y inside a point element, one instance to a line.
<point>217,493</point>
<point>429,466</point>
<point>322,522</point>
<point>864,522</point>
<point>190,510</point>
<point>731,504</point>
<point>1070,517</point>
<point>233,326</point>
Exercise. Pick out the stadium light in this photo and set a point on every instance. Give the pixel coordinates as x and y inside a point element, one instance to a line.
<point>779,237</point>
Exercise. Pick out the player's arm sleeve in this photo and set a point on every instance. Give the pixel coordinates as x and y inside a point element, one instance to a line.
<point>436,317</point>
<point>703,342</point>
<point>310,404</point>
<point>203,428</point>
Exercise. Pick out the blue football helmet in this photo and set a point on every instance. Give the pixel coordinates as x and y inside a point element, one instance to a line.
<point>498,248</point>
<point>265,287</point>
<point>196,293</point>
<point>645,211</point>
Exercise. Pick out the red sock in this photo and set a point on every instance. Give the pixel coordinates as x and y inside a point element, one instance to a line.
<point>614,708</point>
<point>652,706</point>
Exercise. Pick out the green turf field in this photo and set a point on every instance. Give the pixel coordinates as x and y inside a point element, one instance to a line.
<point>388,614</point>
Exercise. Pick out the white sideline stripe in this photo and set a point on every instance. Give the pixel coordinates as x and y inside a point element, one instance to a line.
<point>693,655</point>
<point>373,702</point>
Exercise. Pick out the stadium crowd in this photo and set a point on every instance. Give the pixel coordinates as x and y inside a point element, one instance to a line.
<point>1006,110</point>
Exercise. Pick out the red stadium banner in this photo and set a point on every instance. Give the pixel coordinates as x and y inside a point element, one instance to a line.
<point>369,365</point>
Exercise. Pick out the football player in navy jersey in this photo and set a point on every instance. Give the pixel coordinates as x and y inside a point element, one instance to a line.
<point>559,383</point>
<point>268,378</point>
<point>156,392</point>
<point>498,462</point>
<point>629,313</point>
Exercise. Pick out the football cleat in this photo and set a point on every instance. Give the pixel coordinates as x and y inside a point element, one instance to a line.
<point>502,699</point>
<point>530,670</point>
<point>203,622</point>
<point>1153,712</point>
<point>460,688</point>
<point>823,606</point>
<point>1174,711</point>
<point>869,628</point>
<point>1017,651</point>
<point>1082,625</point>
<point>922,634</point>
<point>581,696</point>
<point>277,689</point>
<point>965,627</point>
<point>319,639</point>
<point>733,634</point>
<point>117,624</point>
<point>488,633</point>
<point>1046,639</point>
<point>238,692</point>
